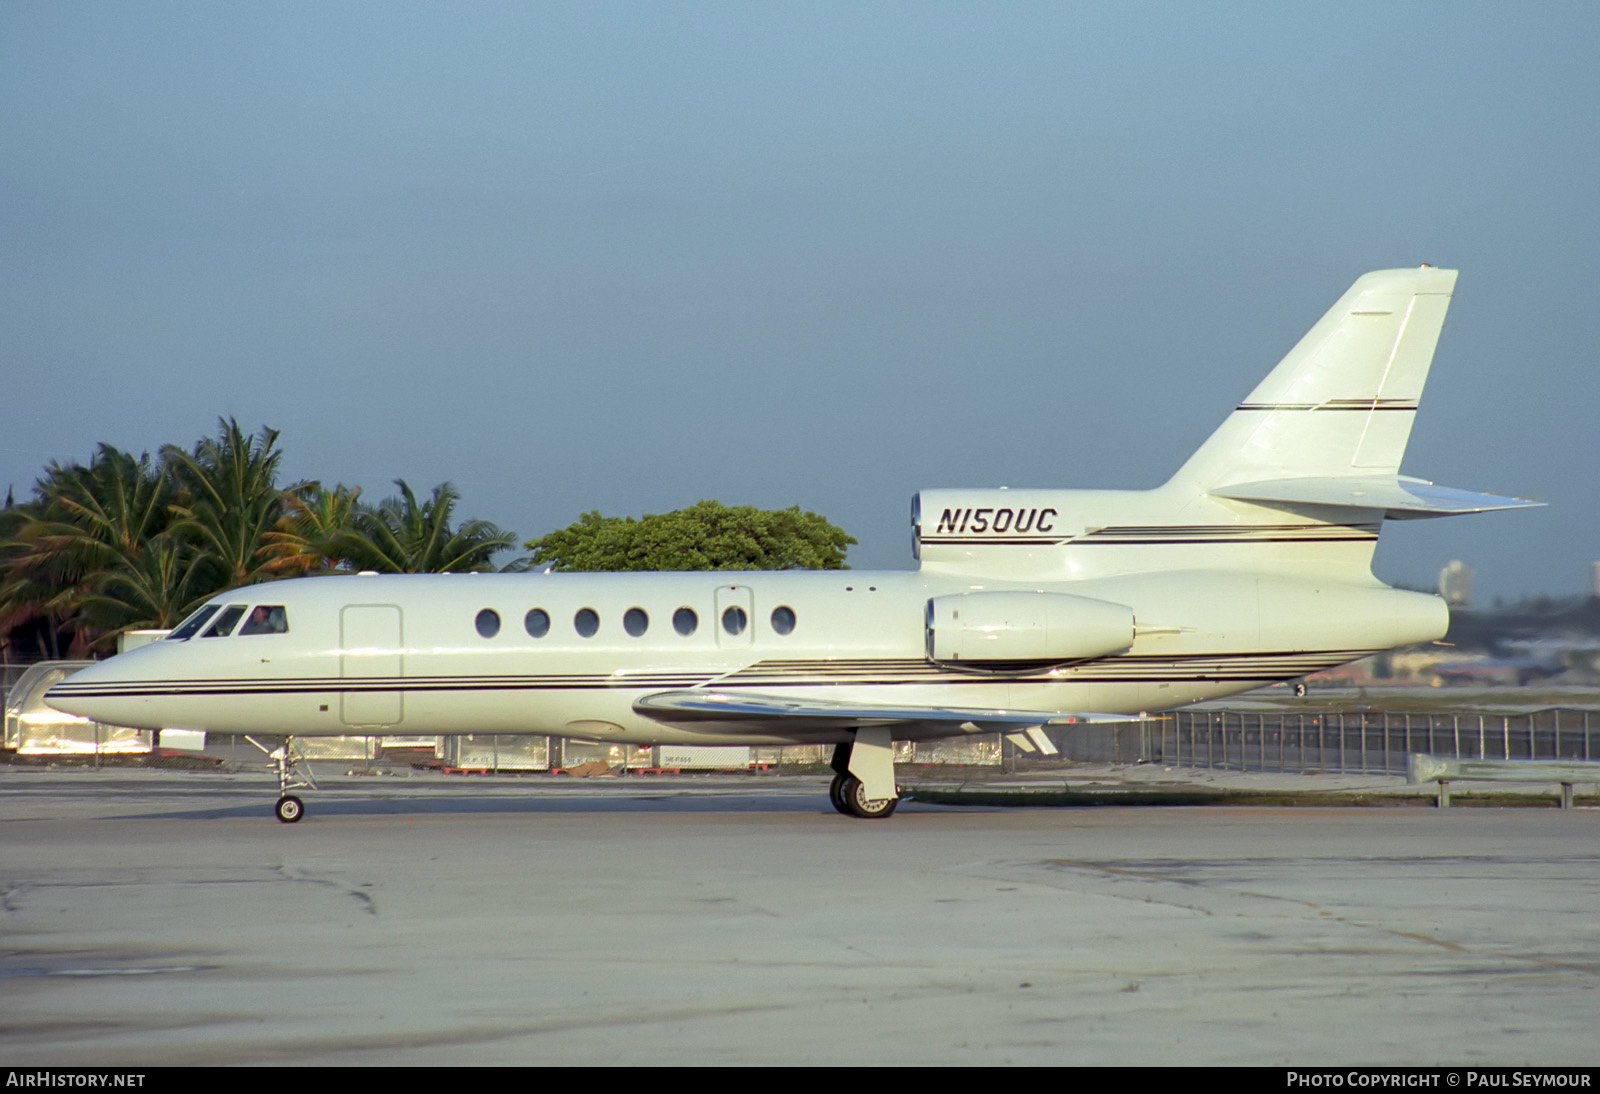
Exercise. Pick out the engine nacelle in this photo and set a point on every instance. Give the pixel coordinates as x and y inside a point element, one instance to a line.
<point>998,630</point>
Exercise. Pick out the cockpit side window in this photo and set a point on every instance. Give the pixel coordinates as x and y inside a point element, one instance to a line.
<point>190,626</point>
<point>224,624</point>
<point>266,619</point>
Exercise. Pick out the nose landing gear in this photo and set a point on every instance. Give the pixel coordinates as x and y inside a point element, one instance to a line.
<point>294,773</point>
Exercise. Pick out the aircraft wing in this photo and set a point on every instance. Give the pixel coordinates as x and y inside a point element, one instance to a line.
<point>1400,496</point>
<point>756,711</point>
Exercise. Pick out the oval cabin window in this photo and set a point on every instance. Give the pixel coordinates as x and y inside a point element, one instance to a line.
<point>684,621</point>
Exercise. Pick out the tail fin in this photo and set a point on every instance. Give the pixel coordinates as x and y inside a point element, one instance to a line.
<point>1320,439</point>
<point>1342,402</point>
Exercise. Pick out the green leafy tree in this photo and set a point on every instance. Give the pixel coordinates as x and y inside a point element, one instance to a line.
<point>405,536</point>
<point>705,536</point>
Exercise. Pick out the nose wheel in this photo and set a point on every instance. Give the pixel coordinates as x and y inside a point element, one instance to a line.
<point>293,774</point>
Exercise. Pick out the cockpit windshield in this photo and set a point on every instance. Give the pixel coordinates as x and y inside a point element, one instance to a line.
<point>263,619</point>
<point>225,622</point>
<point>189,627</point>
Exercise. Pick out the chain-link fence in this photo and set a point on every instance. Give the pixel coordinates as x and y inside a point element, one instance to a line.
<point>1374,741</point>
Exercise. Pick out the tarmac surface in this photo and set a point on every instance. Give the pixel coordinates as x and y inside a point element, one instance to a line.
<point>157,918</point>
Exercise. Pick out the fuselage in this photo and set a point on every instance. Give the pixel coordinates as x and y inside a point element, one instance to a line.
<point>568,654</point>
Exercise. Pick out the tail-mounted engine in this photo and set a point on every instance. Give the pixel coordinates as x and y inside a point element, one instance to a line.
<point>1010,631</point>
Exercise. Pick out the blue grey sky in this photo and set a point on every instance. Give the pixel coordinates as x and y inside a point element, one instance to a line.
<point>623,256</point>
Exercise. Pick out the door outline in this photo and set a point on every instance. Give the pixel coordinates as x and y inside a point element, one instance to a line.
<point>735,596</point>
<point>371,649</point>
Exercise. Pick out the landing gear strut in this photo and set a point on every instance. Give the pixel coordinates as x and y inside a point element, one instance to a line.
<point>863,769</point>
<point>294,773</point>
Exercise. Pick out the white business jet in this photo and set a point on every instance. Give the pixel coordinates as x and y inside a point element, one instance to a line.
<point>1031,609</point>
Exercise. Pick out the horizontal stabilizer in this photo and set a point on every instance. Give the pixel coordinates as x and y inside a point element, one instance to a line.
<point>746,709</point>
<point>1399,496</point>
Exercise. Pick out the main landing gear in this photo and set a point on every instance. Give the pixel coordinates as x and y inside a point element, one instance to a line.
<point>294,773</point>
<point>863,781</point>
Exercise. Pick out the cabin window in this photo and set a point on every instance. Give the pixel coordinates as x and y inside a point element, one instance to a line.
<point>684,621</point>
<point>783,619</point>
<point>536,623</point>
<point>488,622</point>
<point>586,622</point>
<point>636,622</point>
<point>224,624</point>
<point>266,619</point>
<point>734,620</point>
<point>189,627</point>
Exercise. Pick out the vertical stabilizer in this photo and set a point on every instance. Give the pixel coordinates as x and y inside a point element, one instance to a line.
<point>1342,402</point>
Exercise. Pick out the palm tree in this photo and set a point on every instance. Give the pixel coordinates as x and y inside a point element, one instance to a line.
<point>404,536</point>
<point>83,523</point>
<point>304,539</point>
<point>155,591</point>
<point>228,500</point>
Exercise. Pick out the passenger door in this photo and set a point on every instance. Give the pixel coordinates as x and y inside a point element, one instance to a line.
<point>370,652</point>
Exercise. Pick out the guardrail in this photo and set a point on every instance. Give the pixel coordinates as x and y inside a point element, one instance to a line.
<point>1444,770</point>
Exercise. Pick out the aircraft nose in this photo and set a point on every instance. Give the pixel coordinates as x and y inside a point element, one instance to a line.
<point>75,694</point>
<point>103,693</point>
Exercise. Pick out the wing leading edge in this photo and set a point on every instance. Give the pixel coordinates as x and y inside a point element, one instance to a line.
<point>755,711</point>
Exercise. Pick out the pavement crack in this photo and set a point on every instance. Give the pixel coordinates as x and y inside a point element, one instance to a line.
<point>363,899</point>
<point>1319,910</point>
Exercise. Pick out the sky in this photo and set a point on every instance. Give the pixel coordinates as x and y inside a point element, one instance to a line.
<point>625,256</point>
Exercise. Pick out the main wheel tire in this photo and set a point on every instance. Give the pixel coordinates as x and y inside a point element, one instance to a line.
<point>859,805</point>
<point>836,795</point>
<point>290,809</point>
